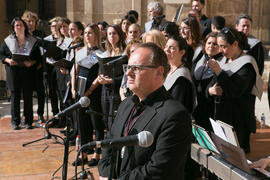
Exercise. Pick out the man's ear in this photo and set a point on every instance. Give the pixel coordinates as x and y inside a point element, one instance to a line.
<point>160,71</point>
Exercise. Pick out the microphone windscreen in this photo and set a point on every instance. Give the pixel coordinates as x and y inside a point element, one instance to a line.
<point>84,101</point>
<point>145,138</point>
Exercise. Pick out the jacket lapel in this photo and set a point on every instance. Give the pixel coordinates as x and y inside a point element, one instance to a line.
<point>121,121</point>
<point>147,116</point>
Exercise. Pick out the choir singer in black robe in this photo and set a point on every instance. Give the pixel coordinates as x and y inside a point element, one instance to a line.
<point>238,82</point>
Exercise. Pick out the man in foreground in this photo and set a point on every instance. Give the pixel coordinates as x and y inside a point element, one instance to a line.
<point>150,109</point>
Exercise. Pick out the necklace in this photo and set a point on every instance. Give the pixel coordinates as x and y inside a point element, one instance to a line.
<point>171,72</point>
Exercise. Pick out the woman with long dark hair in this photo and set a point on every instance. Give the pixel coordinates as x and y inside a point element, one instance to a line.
<point>125,23</point>
<point>20,75</point>
<point>190,31</point>
<point>178,81</point>
<point>236,85</point>
<point>110,98</point>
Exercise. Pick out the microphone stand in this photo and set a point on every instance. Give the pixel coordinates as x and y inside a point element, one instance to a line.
<point>68,127</point>
<point>66,149</point>
<point>65,143</point>
<point>48,135</point>
<point>113,163</point>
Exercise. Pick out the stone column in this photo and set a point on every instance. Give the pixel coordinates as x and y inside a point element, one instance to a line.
<point>5,26</point>
<point>80,10</point>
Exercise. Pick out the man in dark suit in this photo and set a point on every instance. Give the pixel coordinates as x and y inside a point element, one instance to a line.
<point>150,109</point>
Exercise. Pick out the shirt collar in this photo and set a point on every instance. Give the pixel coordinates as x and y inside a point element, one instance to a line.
<point>149,99</point>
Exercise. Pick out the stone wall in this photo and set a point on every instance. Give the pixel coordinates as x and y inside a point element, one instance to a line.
<point>5,27</point>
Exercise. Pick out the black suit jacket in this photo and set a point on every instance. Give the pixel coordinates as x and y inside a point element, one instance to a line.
<point>170,124</point>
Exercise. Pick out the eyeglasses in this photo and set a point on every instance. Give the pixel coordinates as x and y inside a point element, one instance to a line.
<point>136,68</point>
<point>228,30</point>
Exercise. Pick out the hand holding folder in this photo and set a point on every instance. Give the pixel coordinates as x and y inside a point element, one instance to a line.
<point>20,58</point>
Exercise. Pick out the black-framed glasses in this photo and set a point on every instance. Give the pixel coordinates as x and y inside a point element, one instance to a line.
<point>228,30</point>
<point>136,68</point>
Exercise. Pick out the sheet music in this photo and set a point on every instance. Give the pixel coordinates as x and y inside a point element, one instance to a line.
<point>203,138</point>
<point>218,129</point>
<point>229,133</point>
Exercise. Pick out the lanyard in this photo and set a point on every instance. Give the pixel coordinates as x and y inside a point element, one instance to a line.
<point>130,126</point>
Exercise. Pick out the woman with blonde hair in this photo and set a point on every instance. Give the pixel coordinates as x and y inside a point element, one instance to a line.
<point>87,66</point>
<point>155,36</point>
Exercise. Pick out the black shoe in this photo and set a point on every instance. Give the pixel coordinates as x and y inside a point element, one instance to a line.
<point>41,119</point>
<point>93,162</point>
<point>15,127</point>
<point>29,126</point>
<point>79,162</point>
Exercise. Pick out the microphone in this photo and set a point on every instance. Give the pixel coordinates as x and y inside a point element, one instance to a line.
<point>83,102</point>
<point>143,139</point>
<point>81,44</point>
<point>121,58</point>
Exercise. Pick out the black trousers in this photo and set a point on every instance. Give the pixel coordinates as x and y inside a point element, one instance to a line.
<point>87,124</point>
<point>39,88</point>
<point>22,85</point>
<point>52,84</point>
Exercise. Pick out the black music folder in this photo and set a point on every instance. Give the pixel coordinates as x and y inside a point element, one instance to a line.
<point>61,63</point>
<point>54,52</point>
<point>112,66</point>
<point>20,58</point>
<point>51,49</point>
